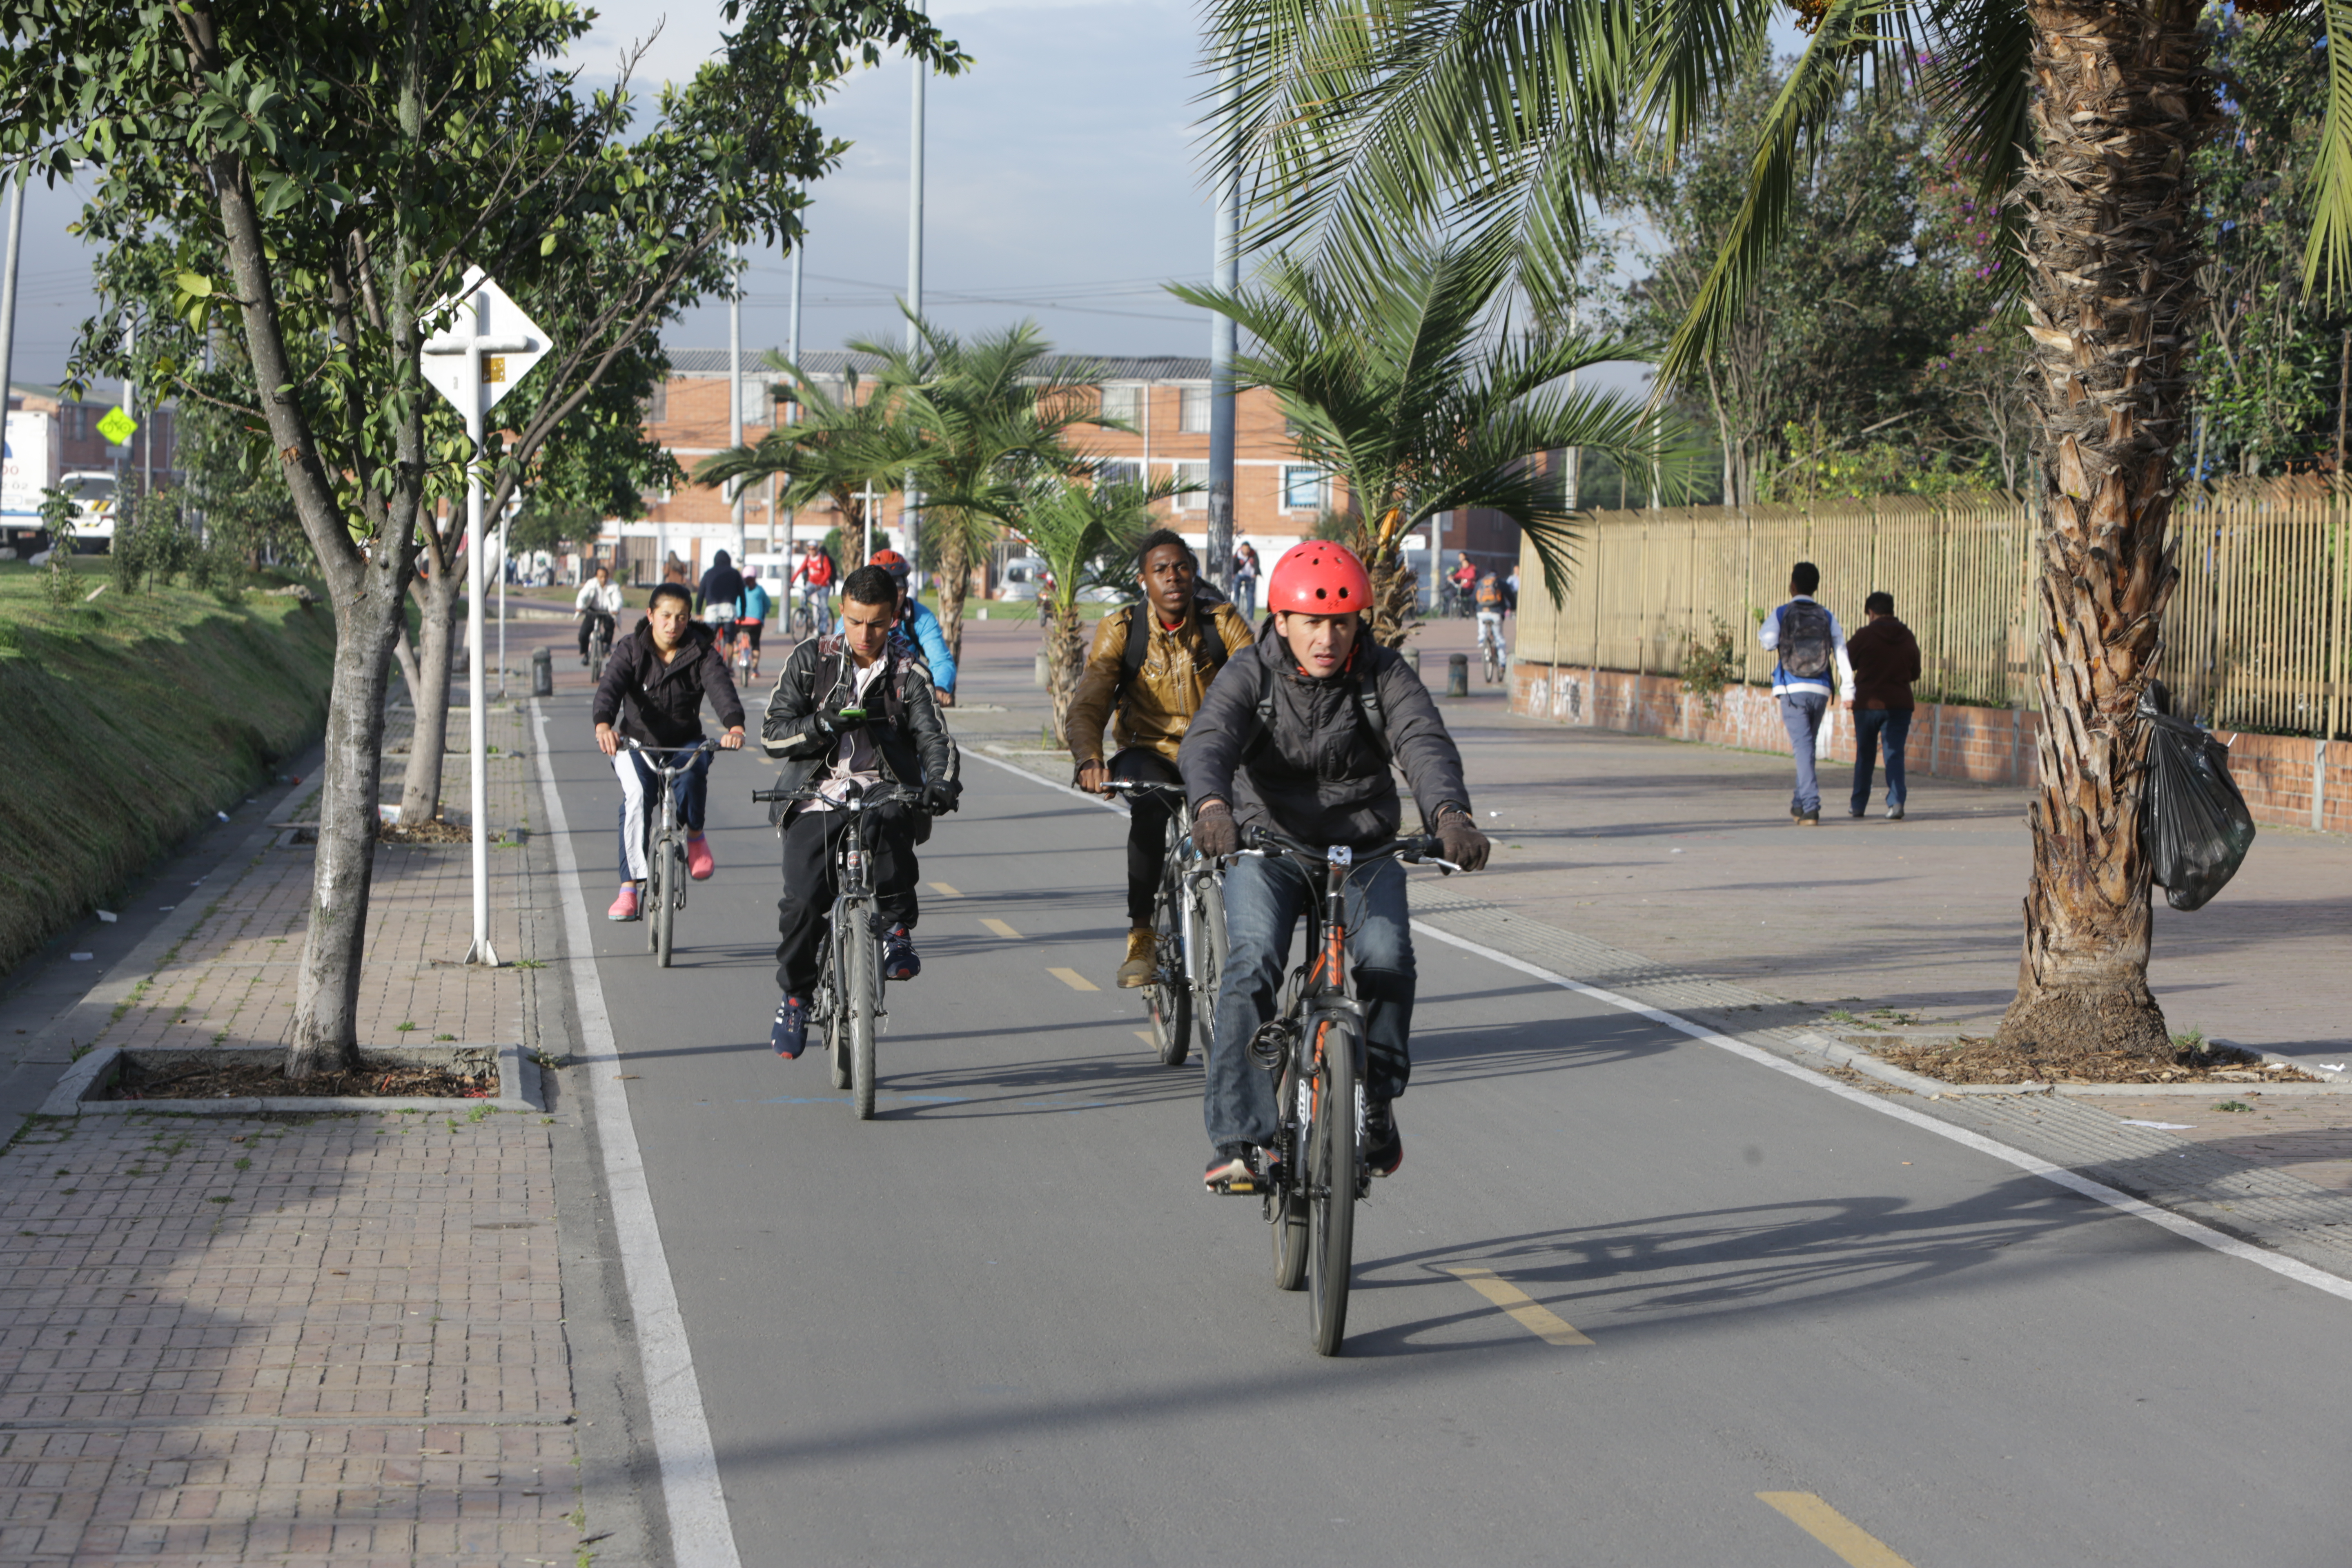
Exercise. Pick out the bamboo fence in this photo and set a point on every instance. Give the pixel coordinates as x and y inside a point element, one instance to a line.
<point>2258,636</point>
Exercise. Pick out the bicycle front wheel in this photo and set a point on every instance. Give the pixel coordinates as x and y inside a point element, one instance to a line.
<point>1168,993</point>
<point>672,872</point>
<point>1207,910</point>
<point>1287,1200</point>
<point>650,897</point>
<point>1331,1155</point>
<point>859,1000</point>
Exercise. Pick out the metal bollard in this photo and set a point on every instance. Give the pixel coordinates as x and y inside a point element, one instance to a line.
<point>1045,669</point>
<point>542,672</point>
<point>1457,674</point>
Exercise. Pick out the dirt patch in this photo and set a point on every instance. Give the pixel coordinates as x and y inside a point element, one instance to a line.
<point>1971,1060</point>
<point>440,830</point>
<point>252,1080</point>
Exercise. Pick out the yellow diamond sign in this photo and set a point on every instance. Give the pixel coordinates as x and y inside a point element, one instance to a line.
<point>117,427</point>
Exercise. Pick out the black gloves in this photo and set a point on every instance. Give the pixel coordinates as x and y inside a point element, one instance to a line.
<point>1215,832</point>
<point>1465,845</point>
<point>832,726</point>
<point>940,797</point>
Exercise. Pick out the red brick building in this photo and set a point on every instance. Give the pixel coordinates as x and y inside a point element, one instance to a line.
<point>1279,496</point>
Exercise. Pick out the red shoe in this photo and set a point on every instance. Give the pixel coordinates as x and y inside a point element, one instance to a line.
<point>699,863</point>
<point>624,908</point>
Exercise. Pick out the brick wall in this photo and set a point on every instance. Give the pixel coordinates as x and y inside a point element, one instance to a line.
<point>1977,745</point>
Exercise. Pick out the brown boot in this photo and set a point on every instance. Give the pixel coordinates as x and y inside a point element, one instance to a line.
<point>1141,961</point>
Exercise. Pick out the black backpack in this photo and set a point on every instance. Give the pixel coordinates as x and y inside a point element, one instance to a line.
<point>1139,641</point>
<point>1808,646</point>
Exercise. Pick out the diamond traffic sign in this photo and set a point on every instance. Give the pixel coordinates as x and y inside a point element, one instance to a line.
<point>481,321</point>
<point>117,427</point>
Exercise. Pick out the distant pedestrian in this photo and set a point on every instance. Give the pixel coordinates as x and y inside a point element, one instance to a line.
<point>1511,593</point>
<point>1885,659</point>
<point>1245,580</point>
<point>1811,644</point>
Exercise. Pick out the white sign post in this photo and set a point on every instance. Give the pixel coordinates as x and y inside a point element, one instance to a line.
<point>489,346</point>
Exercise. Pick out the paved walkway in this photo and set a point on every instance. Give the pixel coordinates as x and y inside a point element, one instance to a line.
<point>297,1340</point>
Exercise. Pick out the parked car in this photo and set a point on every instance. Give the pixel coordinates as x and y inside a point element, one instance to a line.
<point>1022,576</point>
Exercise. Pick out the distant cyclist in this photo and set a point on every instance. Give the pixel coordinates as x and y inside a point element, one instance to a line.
<point>1317,769</point>
<point>919,633</point>
<point>852,708</point>
<point>751,613</point>
<point>1150,665</point>
<point>653,691</point>
<point>598,601</point>
<point>1493,599</point>
<point>720,589</point>
<point>815,574</point>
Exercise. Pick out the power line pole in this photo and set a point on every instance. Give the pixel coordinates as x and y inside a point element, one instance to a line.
<point>735,398</point>
<point>1226,273</point>
<point>8,288</point>
<point>776,489</point>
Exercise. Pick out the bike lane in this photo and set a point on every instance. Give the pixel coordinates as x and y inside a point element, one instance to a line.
<point>1631,1299</point>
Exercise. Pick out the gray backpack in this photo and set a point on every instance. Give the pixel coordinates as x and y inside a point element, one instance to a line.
<point>1808,646</point>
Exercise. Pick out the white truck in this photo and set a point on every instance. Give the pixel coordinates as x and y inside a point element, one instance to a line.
<point>29,463</point>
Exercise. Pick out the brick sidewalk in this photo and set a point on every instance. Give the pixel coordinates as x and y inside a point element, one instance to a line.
<point>297,1340</point>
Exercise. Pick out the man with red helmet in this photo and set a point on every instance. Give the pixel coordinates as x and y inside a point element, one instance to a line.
<point>1317,768</point>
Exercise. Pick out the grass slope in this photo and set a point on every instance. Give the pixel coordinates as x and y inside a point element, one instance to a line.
<point>126,723</point>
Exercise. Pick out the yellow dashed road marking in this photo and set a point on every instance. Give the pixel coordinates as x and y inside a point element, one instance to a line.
<point>1074,980</point>
<point>1000,928</point>
<point>1527,1312</point>
<point>943,890</point>
<point>1145,1037</point>
<point>1853,1545</point>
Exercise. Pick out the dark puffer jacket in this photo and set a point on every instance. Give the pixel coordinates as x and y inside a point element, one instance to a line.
<point>661,704</point>
<point>1319,774</point>
<point>913,739</point>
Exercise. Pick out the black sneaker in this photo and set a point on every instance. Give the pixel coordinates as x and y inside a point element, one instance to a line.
<point>788,1036</point>
<point>1383,1144</point>
<point>899,959</point>
<point>1235,1170</point>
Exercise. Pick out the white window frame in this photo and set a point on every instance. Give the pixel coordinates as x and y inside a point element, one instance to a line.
<point>1124,403</point>
<point>1194,409</point>
<point>1196,473</point>
<point>1315,476</point>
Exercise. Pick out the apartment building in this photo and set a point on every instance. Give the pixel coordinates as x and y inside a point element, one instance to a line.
<point>1278,496</point>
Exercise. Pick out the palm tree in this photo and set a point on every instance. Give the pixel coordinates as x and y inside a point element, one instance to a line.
<point>1413,392</point>
<point>836,449</point>
<point>979,424</point>
<point>2079,120</point>
<point>1085,534</point>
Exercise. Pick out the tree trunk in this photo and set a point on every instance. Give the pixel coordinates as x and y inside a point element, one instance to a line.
<point>1395,604</point>
<point>1065,657</point>
<point>403,654</point>
<point>2111,263</point>
<point>955,584</point>
<point>420,788</point>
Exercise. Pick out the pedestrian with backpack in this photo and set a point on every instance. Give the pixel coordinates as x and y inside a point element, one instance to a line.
<point>1150,665</point>
<point>1811,645</point>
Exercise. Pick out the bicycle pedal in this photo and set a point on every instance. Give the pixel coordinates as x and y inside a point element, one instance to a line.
<point>1238,1187</point>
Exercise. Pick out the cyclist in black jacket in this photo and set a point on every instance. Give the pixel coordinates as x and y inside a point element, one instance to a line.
<point>652,692</point>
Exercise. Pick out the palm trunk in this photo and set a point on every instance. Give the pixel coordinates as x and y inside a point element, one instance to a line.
<point>1065,657</point>
<point>1394,602</point>
<point>420,787</point>
<point>955,585</point>
<point>2111,257</point>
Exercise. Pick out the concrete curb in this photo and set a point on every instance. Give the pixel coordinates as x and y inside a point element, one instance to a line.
<point>78,1093</point>
<point>1870,1064</point>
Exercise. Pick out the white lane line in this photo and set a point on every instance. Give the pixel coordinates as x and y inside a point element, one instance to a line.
<point>701,1535</point>
<point>1107,804</point>
<point>2187,1229</point>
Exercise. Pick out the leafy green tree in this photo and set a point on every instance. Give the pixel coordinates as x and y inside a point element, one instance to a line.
<point>316,178</point>
<point>1420,399</point>
<point>1363,122</point>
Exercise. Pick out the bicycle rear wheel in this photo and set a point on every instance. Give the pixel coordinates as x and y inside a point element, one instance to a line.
<point>859,1000</point>
<point>1169,994</point>
<point>1331,1156</point>
<point>1289,1199</point>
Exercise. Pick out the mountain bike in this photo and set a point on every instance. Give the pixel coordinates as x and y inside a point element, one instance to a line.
<point>807,620</point>
<point>1188,923</point>
<point>846,1004</point>
<point>1314,1046</point>
<point>665,876</point>
<point>600,647</point>
<point>1490,643</point>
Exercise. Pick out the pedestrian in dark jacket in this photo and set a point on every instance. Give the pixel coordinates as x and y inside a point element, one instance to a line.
<point>852,713</point>
<point>1885,662</point>
<point>652,692</point>
<point>1317,769</point>
<point>721,589</point>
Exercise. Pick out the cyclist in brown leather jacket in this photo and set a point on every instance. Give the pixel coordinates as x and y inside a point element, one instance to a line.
<point>1147,682</point>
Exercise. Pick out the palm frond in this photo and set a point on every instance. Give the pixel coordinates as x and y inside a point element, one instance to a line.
<point>2327,260</point>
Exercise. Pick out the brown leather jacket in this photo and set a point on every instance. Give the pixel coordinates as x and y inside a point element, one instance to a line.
<point>1155,710</point>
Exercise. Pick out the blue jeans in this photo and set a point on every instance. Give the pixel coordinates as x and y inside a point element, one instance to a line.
<point>1265,898</point>
<point>638,783</point>
<point>1800,713</point>
<point>1873,727</point>
<point>1246,598</point>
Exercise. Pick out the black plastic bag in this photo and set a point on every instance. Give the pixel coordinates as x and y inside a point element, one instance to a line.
<point>2198,829</point>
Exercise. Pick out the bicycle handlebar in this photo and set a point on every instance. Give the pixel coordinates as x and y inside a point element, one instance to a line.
<point>689,752</point>
<point>1141,786</point>
<point>859,798</point>
<point>1420,848</point>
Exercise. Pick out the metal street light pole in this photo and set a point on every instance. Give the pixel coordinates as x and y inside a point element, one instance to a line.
<point>8,286</point>
<point>775,489</point>
<point>912,514</point>
<point>735,398</point>
<point>1226,273</point>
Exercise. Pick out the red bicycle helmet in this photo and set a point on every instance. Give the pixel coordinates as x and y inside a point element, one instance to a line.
<point>893,563</point>
<point>1319,578</point>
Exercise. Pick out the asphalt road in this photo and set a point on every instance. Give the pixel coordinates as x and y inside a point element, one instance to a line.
<point>1002,1324</point>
